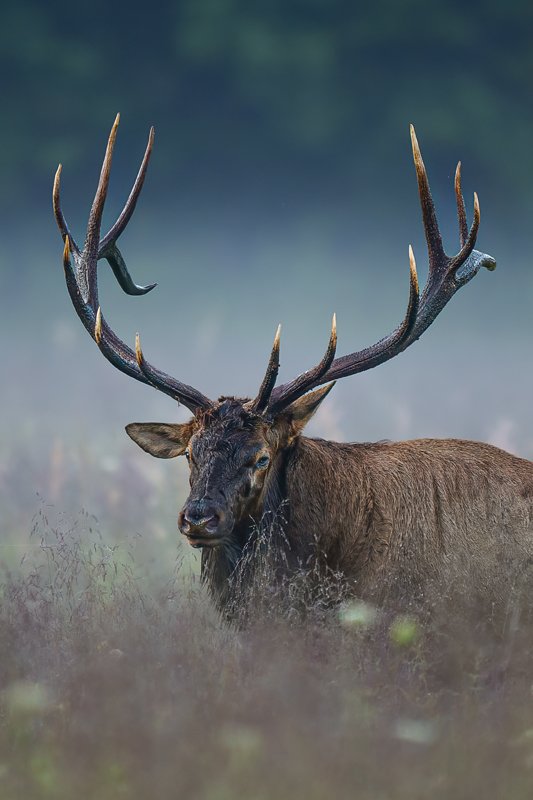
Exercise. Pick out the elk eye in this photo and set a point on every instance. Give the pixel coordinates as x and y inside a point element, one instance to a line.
<point>187,456</point>
<point>262,462</point>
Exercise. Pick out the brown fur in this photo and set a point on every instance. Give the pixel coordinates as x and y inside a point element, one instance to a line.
<point>394,518</point>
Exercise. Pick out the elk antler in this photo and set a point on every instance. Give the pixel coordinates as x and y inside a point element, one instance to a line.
<point>83,287</point>
<point>446,276</point>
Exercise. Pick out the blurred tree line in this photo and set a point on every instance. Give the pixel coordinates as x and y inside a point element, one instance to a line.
<point>244,90</point>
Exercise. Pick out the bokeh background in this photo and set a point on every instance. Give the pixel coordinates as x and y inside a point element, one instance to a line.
<point>281,188</point>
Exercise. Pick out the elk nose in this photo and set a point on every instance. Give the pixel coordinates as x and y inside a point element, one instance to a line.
<point>198,518</point>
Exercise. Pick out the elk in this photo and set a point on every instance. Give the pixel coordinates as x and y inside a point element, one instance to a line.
<point>382,514</point>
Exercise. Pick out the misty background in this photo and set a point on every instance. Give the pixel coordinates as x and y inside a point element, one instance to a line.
<point>281,188</point>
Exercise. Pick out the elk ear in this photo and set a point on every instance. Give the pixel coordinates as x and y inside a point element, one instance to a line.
<point>298,414</point>
<point>161,441</point>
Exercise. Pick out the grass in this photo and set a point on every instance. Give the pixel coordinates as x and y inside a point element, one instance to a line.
<point>119,679</point>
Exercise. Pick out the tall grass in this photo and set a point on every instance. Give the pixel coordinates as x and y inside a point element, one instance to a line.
<point>120,680</point>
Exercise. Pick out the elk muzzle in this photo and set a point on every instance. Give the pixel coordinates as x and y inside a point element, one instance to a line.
<point>201,522</point>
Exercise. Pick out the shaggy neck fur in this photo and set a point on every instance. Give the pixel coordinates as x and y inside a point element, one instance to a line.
<point>219,564</point>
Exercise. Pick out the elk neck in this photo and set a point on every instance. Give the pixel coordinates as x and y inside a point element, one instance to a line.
<point>316,492</point>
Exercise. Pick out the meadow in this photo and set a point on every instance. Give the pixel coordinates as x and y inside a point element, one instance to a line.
<point>119,678</point>
<point>281,188</point>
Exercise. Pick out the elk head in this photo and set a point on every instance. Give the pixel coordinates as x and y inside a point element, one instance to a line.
<point>236,447</point>
<point>235,456</point>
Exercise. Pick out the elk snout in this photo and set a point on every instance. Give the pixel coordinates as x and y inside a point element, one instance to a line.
<point>199,521</point>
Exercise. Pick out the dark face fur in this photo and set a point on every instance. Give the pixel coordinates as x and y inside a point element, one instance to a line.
<point>232,455</point>
<point>229,459</point>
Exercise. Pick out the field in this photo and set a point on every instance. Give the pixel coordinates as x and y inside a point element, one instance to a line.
<point>119,679</point>
<point>281,188</point>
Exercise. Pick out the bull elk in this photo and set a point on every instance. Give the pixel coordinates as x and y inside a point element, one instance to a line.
<point>380,514</point>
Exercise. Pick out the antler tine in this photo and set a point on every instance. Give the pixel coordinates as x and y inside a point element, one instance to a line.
<point>271,375</point>
<point>446,275</point>
<point>69,272</point>
<point>414,298</point>
<point>107,248</point>
<point>468,246</point>
<point>108,245</point>
<point>83,286</point>
<point>305,381</point>
<point>188,396</point>
<point>370,356</point>
<point>429,217</point>
<point>92,239</point>
<point>117,353</point>
<point>461,210</point>
<point>58,213</point>
<point>129,207</point>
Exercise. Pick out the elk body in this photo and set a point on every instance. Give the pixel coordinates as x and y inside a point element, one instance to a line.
<point>388,516</point>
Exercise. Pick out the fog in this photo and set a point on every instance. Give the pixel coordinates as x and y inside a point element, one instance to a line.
<point>281,189</point>
<point>223,288</point>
